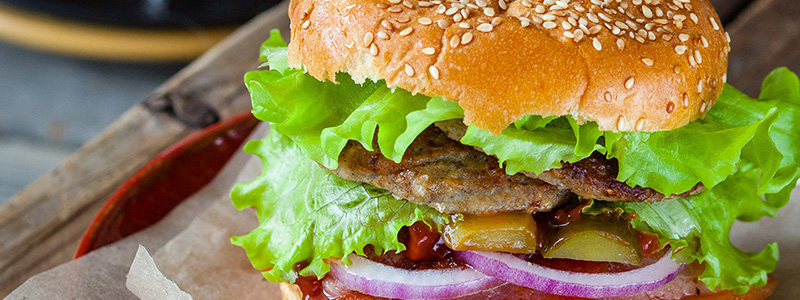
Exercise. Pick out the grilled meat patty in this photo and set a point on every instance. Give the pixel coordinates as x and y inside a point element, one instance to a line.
<point>594,177</point>
<point>450,177</point>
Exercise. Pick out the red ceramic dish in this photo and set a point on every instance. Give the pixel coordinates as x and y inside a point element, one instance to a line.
<point>163,183</point>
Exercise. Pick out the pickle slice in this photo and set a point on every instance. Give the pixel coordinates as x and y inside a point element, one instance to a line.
<point>594,238</point>
<point>507,232</point>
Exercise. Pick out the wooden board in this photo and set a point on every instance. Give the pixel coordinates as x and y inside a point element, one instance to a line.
<point>763,37</point>
<point>40,227</point>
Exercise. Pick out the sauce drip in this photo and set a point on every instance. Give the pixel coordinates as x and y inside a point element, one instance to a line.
<point>311,288</point>
<point>423,243</point>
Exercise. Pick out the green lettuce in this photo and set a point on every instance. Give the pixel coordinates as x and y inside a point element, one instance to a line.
<point>698,228</point>
<point>308,215</point>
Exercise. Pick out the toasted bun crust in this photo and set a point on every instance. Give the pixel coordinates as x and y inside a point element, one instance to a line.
<point>655,65</point>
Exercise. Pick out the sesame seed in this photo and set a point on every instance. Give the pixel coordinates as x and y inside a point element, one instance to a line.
<point>395,9</point>
<point>680,49</point>
<point>434,72</point>
<point>382,35</point>
<point>683,37</point>
<point>621,44</point>
<point>549,25</point>
<point>685,100</point>
<point>647,12</point>
<point>700,86</point>
<point>502,4</point>
<point>395,1</point>
<point>386,25</point>
<point>703,107</point>
<point>622,125</point>
<point>488,11</point>
<point>451,11</point>
<point>629,83</point>
<point>306,24</point>
<point>607,96</point>
<point>466,38</point>
<point>725,78</point>
<point>640,124</point>
<point>368,38</point>
<point>409,70</point>
<point>698,57</point>
<point>597,45</point>
<point>443,23</point>
<point>429,51</point>
<point>373,49</point>
<point>485,27</point>
<point>406,31</point>
<point>464,25</point>
<point>670,107</point>
<point>425,21</point>
<point>454,41</point>
<point>647,61</point>
<point>578,34</point>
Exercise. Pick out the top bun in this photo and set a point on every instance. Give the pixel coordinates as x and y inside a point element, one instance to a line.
<point>629,65</point>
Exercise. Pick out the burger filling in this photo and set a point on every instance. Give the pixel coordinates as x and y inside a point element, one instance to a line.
<point>364,169</point>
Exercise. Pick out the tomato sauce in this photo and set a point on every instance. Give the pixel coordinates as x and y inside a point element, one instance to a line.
<point>311,288</point>
<point>423,243</point>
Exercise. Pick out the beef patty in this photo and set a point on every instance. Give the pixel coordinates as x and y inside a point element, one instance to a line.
<point>450,177</point>
<point>593,177</point>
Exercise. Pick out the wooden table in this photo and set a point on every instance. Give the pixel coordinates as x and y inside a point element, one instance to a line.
<point>40,227</point>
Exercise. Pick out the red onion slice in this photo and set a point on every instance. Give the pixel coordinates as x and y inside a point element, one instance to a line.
<point>376,279</point>
<point>518,271</point>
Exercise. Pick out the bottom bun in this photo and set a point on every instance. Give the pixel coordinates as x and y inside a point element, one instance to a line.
<point>685,287</point>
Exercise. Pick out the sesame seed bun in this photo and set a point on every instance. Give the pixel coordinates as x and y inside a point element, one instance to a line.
<point>630,65</point>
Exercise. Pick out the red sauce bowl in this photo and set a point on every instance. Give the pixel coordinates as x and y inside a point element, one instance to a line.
<point>166,181</point>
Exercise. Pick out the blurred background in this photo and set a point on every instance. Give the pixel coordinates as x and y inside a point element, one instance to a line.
<point>69,68</point>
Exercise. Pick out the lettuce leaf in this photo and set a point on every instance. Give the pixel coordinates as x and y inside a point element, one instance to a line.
<point>308,215</point>
<point>698,228</point>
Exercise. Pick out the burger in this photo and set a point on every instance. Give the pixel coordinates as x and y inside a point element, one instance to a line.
<point>498,149</point>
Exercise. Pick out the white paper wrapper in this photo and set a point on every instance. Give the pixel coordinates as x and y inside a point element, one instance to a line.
<point>192,247</point>
<point>148,283</point>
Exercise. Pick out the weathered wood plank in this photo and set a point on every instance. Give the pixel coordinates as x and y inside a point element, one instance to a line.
<point>763,37</point>
<point>40,226</point>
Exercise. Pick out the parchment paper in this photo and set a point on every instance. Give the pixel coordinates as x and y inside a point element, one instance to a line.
<point>191,247</point>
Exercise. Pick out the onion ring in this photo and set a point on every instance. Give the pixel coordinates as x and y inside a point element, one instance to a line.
<point>518,271</point>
